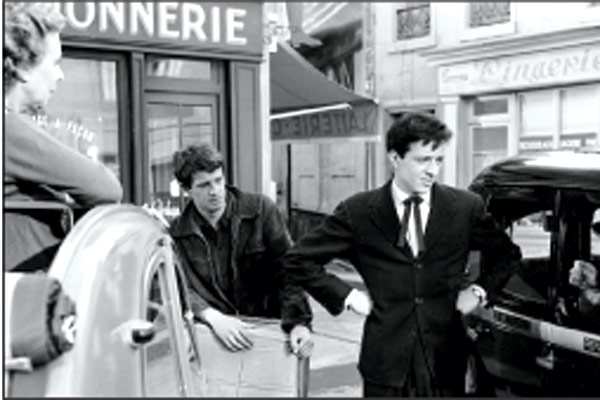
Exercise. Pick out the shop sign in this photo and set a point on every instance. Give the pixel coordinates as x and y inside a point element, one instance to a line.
<point>548,68</point>
<point>222,26</point>
<point>358,121</point>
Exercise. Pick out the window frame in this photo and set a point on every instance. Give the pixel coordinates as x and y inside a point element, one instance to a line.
<point>402,45</point>
<point>483,32</point>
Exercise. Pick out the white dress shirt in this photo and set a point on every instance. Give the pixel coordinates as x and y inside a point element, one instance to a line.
<point>399,196</point>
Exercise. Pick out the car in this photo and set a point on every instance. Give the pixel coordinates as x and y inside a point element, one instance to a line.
<point>134,333</point>
<point>537,339</point>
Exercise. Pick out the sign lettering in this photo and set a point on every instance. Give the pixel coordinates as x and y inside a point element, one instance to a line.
<point>228,25</point>
<point>355,122</point>
<point>559,66</point>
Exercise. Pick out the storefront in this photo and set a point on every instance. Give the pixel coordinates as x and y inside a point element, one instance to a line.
<point>146,79</point>
<point>528,94</point>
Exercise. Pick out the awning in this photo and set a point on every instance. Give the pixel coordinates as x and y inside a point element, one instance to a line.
<point>306,104</point>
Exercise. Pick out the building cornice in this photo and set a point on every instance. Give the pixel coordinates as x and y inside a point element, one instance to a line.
<point>512,45</point>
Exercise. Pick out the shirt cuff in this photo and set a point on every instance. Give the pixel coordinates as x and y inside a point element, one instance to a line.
<point>480,293</point>
<point>348,298</point>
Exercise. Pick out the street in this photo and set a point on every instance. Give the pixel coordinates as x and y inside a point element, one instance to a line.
<point>333,365</point>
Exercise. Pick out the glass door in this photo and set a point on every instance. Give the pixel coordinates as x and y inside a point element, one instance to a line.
<point>173,122</point>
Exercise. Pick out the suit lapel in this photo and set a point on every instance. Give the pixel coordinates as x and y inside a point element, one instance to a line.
<point>383,213</point>
<point>443,208</point>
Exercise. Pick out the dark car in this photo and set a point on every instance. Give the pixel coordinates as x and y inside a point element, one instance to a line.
<point>538,338</point>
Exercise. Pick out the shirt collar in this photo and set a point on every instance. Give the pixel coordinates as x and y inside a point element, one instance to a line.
<point>400,195</point>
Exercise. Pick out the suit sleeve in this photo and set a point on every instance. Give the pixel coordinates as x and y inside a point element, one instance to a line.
<point>278,242</point>
<point>304,263</point>
<point>34,156</point>
<point>500,256</point>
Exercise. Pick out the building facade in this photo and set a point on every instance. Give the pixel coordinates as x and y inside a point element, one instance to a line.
<point>508,78</point>
<point>146,79</point>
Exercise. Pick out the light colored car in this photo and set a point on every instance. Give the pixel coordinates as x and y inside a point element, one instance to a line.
<point>134,333</point>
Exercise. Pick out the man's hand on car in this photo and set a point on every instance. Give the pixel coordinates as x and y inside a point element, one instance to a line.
<point>231,331</point>
<point>301,343</point>
<point>583,274</point>
<point>469,299</point>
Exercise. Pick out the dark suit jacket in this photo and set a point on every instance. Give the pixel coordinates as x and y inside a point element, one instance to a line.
<point>413,297</point>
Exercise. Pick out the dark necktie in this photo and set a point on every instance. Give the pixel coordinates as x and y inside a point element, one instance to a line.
<point>412,203</point>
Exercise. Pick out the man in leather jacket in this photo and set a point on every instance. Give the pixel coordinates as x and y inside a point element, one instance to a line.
<point>230,244</point>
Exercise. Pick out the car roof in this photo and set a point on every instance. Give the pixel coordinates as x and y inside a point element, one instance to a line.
<point>576,169</point>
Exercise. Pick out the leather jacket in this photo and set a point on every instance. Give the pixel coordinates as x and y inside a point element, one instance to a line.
<point>259,241</point>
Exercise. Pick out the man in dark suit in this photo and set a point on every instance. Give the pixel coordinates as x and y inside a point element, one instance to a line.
<point>409,240</point>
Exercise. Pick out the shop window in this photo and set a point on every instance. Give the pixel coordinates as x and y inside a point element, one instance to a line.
<point>413,21</point>
<point>537,125</point>
<point>485,14</point>
<point>580,120</point>
<point>560,118</point>
<point>87,123</point>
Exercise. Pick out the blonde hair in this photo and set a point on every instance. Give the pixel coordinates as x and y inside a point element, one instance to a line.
<point>26,26</point>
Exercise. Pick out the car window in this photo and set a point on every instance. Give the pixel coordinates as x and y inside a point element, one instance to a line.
<point>161,365</point>
<point>527,288</point>
<point>529,233</point>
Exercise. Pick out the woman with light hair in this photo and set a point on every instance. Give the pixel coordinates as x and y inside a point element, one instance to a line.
<point>37,166</point>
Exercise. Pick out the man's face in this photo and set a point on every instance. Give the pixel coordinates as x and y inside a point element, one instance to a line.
<point>41,80</point>
<point>208,191</point>
<point>417,171</point>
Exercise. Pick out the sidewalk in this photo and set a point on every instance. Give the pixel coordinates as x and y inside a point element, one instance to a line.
<point>333,365</point>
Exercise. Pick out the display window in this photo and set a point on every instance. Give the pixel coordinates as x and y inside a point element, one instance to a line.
<point>561,118</point>
<point>84,111</point>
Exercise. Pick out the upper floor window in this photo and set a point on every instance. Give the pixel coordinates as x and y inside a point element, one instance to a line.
<point>413,21</point>
<point>486,20</point>
<point>486,14</point>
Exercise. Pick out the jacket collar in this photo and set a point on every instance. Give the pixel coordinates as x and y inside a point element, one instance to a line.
<point>240,204</point>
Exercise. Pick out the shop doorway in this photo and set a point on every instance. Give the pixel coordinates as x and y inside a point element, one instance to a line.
<point>175,121</point>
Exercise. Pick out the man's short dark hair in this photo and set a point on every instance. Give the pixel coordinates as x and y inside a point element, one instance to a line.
<point>414,127</point>
<point>195,158</point>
